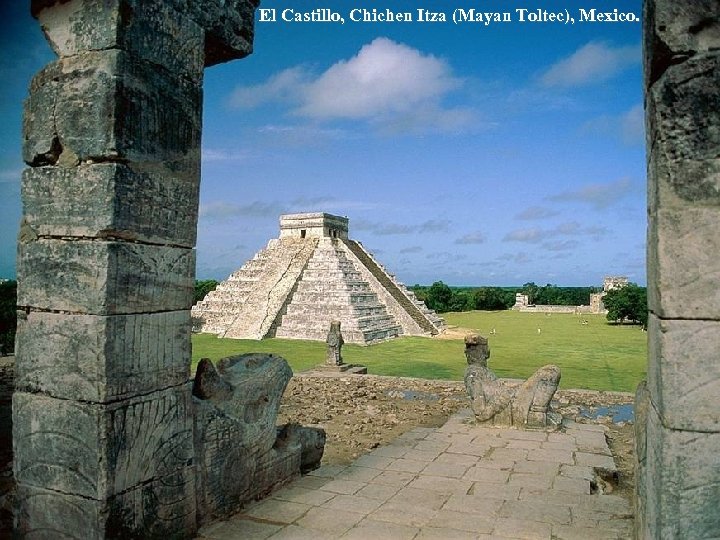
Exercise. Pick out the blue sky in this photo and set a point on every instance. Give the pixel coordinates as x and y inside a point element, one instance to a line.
<point>472,154</point>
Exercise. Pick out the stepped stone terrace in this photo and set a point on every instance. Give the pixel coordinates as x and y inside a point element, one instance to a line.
<point>309,276</point>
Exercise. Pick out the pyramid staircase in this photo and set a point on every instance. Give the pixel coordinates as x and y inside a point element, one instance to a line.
<point>310,276</point>
<point>331,289</point>
<point>246,304</point>
<point>426,319</point>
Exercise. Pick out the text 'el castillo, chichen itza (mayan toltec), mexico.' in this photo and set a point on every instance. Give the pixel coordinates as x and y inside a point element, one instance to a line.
<point>311,275</point>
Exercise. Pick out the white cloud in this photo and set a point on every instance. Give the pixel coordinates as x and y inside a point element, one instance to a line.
<point>536,235</point>
<point>384,77</point>
<point>11,176</point>
<point>629,126</point>
<point>592,63</point>
<point>476,237</point>
<point>599,196</point>
<point>220,210</point>
<point>280,87</point>
<point>394,87</point>
<point>632,125</point>
<point>536,212</point>
<point>221,154</point>
<point>388,229</point>
<point>531,235</point>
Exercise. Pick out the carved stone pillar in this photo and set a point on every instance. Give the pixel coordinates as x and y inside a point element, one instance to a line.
<point>678,470</point>
<point>102,420</point>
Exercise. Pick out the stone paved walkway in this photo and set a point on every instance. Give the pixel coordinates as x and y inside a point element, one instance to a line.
<point>455,482</point>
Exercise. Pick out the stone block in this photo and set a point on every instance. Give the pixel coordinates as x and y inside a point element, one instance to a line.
<point>684,376</point>
<point>155,32</point>
<point>96,358</point>
<point>162,508</point>
<point>104,278</point>
<point>228,25</point>
<point>642,406</point>
<point>683,111</point>
<point>240,453</point>
<point>683,268</point>
<point>97,451</point>
<point>683,488</point>
<point>138,202</point>
<point>130,110</point>
<point>674,30</point>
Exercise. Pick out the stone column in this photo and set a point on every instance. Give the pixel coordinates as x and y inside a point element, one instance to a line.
<point>678,474</point>
<point>102,418</point>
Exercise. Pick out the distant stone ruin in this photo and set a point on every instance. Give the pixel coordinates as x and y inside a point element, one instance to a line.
<point>310,276</point>
<point>522,301</point>
<point>499,403</point>
<point>610,283</point>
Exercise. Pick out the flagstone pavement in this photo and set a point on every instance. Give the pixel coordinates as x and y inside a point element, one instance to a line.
<point>454,482</point>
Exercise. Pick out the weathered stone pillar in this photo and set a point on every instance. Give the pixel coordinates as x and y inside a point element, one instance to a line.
<point>678,473</point>
<point>102,417</point>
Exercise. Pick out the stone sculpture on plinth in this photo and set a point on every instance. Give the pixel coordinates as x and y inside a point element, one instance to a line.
<point>241,454</point>
<point>334,345</point>
<point>333,355</point>
<point>496,402</point>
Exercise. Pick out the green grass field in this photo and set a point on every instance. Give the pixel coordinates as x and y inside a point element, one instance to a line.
<point>597,356</point>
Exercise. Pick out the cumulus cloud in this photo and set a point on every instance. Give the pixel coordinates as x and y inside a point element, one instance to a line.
<point>530,235</point>
<point>221,210</point>
<point>593,63</point>
<point>561,245</point>
<point>280,87</point>
<point>434,226</point>
<point>223,154</point>
<point>517,258</point>
<point>599,196</point>
<point>629,127</point>
<point>11,175</point>
<point>536,235</point>
<point>393,86</point>
<point>632,125</point>
<point>387,229</point>
<point>536,212</point>
<point>471,238</point>
<point>384,76</point>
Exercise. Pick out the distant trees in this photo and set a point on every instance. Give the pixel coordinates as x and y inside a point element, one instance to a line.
<point>438,297</point>
<point>552,295</point>
<point>628,303</point>
<point>202,287</point>
<point>443,298</point>
<point>492,298</point>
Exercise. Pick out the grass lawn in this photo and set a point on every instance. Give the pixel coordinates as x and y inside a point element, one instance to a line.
<point>596,356</point>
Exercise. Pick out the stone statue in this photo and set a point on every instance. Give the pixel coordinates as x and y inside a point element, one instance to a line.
<point>241,454</point>
<point>334,345</point>
<point>498,403</point>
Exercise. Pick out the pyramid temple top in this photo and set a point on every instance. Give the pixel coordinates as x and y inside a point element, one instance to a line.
<point>313,225</point>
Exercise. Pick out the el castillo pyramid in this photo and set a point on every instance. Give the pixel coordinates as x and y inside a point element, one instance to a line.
<point>311,275</point>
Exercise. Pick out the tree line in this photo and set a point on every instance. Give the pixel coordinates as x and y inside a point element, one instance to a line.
<point>443,298</point>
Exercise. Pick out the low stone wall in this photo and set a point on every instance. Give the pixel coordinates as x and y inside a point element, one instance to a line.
<point>555,309</point>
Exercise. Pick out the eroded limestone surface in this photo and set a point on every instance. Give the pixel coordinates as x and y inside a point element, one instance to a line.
<point>240,453</point>
<point>497,402</point>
